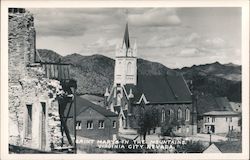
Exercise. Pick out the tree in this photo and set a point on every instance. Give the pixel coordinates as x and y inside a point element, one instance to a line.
<point>167,128</point>
<point>148,119</point>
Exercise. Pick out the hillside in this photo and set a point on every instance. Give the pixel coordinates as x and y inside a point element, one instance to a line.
<point>227,71</point>
<point>94,73</point>
<point>216,79</point>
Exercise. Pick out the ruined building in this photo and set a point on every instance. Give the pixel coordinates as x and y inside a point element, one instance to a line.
<point>34,119</point>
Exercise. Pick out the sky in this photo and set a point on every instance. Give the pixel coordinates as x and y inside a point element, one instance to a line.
<point>175,37</point>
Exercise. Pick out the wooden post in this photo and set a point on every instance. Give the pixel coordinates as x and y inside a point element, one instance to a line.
<point>75,120</point>
<point>210,138</point>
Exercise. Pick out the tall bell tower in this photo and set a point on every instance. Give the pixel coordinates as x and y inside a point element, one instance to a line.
<point>126,62</point>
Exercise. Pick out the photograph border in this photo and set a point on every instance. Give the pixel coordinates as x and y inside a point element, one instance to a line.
<point>244,4</point>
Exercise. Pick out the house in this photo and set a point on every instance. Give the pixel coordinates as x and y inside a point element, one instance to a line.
<point>220,107</point>
<point>221,122</point>
<point>167,95</point>
<point>92,121</point>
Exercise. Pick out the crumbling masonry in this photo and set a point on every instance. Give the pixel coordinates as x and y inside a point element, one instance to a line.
<point>34,119</point>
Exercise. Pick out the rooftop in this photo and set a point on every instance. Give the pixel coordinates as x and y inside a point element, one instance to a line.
<point>221,113</point>
<point>82,104</point>
<point>161,89</point>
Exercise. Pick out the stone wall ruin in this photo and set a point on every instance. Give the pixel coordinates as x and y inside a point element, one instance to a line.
<point>38,127</point>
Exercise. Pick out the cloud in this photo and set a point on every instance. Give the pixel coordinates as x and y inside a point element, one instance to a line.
<point>189,52</point>
<point>71,22</point>
<point>155,17</point>
<point>215,42</point>
<point>162,35</point>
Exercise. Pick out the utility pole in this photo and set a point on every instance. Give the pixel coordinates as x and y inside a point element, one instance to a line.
<point>74,111</point>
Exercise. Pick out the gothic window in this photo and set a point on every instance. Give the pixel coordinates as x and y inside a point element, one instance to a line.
<point>129,68</point>
<point>187,114</point>
<point>170,114</point>
<point>126,106</point>
<point>179,114</point>
<point>114,124</point>
<point>163,115</point>
<point>112,107</point>
<point>119,99</point>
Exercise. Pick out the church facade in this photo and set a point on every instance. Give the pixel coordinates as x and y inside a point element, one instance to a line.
<point>131,95</point>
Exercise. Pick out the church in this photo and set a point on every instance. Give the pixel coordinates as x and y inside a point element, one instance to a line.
<point>131,94</point>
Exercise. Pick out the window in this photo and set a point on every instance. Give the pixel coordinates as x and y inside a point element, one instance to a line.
<point>29,121</point>
<point>129,68</point>
<point>213,119</point>
<point>119,99</point>
<point>179,114</point>
<point>187,114</point>
<point>126,106</point>
<point>208,119</point>
<point>171,114</point>
<point>78,125</point>
<point>187,129</point>
<point>114,124</point>
<point>89,124</point>
<point>101,124</point>
<point>163,115</point>
<point>226,119</point>
<point>231,119</point>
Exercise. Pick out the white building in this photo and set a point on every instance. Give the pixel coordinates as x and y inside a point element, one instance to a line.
<point>221,122</point>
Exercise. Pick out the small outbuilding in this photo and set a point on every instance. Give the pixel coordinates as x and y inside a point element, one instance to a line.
<point>92,121</point>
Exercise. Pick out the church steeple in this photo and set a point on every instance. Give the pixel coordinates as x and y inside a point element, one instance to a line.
<point>126,62</point>
<point>126,41</point>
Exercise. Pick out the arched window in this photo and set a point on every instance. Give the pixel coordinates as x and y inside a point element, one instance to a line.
<point>129,68</point>
<point>119,99</point>
<point>170,114</point>
<point>126,107</point>
<point>187,114</point>
<point>163,115</point>
<point>179,114</point>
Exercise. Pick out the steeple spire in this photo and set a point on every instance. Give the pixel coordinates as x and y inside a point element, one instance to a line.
<point>126,38</point>
<point>126,41</point>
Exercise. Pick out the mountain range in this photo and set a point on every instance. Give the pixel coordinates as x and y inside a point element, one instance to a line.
<point>96,72</point>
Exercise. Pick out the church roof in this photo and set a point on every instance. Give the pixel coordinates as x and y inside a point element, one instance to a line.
<point>161,89</point>
<point>82,104</point>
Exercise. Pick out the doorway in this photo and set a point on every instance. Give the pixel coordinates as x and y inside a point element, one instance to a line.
<point>43,126</point>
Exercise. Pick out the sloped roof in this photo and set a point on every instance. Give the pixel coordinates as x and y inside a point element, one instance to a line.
<point>209,103</point>
<point>212,149</point>
<point>160,89</point>
<point>82,104</point>
<point>221,113</point>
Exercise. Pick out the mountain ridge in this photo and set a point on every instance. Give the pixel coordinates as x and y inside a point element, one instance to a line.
<point>95,72</point>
